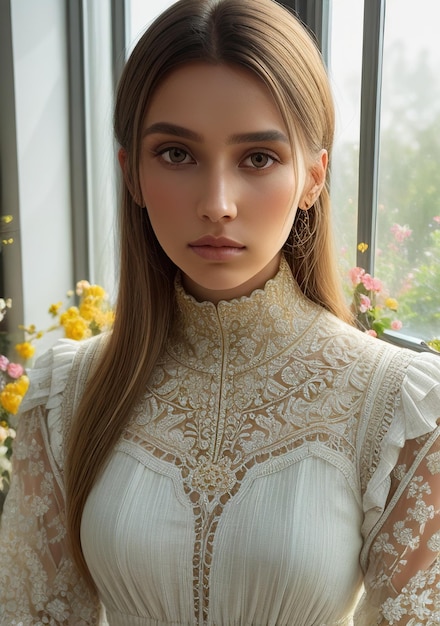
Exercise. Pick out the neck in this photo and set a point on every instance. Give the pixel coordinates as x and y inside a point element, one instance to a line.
<point>206,294</point>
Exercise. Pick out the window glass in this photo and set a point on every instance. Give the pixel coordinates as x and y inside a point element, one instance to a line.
<point>408,221</point>
<point>345,63</point>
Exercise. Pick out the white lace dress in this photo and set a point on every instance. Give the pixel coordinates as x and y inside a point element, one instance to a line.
<point>279,465</point>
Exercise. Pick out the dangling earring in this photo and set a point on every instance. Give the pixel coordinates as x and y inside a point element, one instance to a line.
<point>300,233</point>
<point>301,228</point>
<point>303,233</point>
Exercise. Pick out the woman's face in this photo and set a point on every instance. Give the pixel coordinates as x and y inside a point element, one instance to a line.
<point>217,178</point>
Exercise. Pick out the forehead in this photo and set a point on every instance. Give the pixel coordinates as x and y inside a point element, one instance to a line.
<point>204,94</point>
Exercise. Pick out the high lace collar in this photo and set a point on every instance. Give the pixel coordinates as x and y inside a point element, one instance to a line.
<point>248,330</point>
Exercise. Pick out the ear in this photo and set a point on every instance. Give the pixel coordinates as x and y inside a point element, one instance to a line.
<point>315,181</point>
<point>126,172</point>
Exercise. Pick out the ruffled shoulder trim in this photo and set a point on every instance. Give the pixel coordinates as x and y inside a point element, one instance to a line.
<point>417,412</point>
<point>420,406</point>
<point>48,381</point>
<point>49,376</point>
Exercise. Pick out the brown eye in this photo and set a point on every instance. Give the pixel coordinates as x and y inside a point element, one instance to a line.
<point>175,155</point>
<point>259,159</point>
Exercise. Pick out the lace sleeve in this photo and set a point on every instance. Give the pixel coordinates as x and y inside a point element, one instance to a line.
<point>403,576</point>
<point>38,582</point>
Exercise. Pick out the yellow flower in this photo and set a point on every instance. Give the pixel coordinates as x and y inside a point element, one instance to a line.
<point>69,315</point>
<point>88,310</point>
<point>10,401</point>
<point>21,385</point>
<point>54,308</point>
<point>26,350</point>
<point>391,303</point>
<point>95,291</point>
<point>362,247</point>
<point>3,433</point>
<point>77,329</point>
<point>102,320</point>
<point>106,319</point>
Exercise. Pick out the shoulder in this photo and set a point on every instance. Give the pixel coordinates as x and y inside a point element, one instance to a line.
<point>49,374</point>
<point>53,375</point>
<point>52,370</point>
<point>403,398</point>
<point>357,347</point>
<point>410,415</point>
<point>397,381</point>
<point>419,404</point>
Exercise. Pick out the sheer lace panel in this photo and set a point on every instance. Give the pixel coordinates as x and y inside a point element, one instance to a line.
<point>38,582</point>
<point>403,576</point>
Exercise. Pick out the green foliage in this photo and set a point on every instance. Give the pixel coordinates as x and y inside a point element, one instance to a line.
<point>434,344</point>
<point>421,301</point>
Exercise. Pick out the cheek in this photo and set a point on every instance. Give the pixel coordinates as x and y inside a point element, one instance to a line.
<point>164,201</point>
<point>284,189</point>
<point>279,205</point>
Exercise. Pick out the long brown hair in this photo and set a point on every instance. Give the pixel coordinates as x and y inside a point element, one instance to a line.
<point>266,39</point>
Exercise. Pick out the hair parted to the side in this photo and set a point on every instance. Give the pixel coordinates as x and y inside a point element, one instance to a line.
<point>265,38</point>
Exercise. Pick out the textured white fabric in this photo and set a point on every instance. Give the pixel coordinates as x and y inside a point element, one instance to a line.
<point>277,461</point>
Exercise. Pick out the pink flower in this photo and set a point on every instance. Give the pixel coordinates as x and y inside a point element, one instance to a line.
<point>15,370</point>
<point>401,232</point>
<point>436,218</point>
<point>4,362</point>
<point>371,284</point>
<point>356,274</point>
<point>365,303</point>
<point>396,325</point>
<point>371,332</point>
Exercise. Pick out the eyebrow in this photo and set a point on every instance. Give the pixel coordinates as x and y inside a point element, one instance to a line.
<point>180,131</point>
<point>172,129</point>
<point>263,135</point>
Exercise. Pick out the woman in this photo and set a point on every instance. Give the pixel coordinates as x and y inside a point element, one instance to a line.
<point>234,452</point>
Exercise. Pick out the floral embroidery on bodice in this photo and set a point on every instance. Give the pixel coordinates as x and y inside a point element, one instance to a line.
<point>241,386</point>
<point>241,379</point>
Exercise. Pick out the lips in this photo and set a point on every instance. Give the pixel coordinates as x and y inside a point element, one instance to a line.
<point>217,249</point>
<point>216,242</point>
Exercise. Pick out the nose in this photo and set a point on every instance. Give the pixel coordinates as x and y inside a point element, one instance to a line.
<point>217,197</point>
